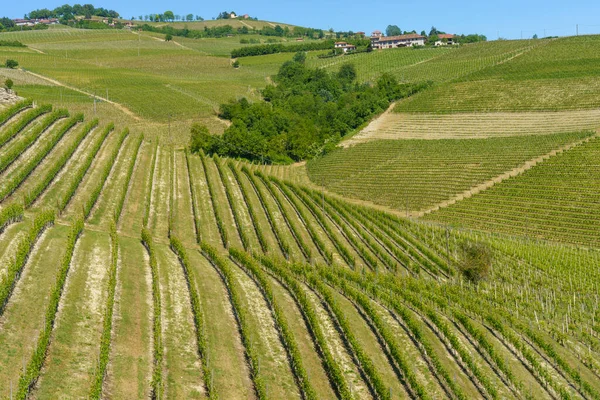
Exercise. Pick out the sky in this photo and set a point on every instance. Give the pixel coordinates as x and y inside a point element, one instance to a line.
<point>510,19</point>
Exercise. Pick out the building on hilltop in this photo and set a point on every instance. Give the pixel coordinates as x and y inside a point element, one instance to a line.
<point>380,42</point>
<point>445,39</point>
<point>345,46</point>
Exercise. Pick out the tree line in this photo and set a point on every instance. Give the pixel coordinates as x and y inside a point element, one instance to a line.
<point>67,12</point>
<point>305,113</point>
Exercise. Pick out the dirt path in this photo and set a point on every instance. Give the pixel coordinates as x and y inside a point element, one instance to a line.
<point>117,105</point>
<point>507,175</point>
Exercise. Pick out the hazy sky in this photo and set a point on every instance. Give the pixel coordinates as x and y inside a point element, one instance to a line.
<point>509,18</point>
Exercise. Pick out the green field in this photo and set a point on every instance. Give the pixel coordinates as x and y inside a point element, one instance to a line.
<point>131,268</point>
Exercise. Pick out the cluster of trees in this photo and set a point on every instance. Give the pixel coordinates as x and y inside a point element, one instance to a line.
<point>304,114</point>
<point>67,12</point>
<point>169,16</point>
<point>281,48</point>
<point>11,43</point>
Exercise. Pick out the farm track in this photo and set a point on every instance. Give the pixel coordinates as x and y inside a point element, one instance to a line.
<point>359,246</point>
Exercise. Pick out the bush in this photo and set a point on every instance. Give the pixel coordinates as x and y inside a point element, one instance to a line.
<point>236,64</point>
<point>476,261</point>
<point>11,64</point>
<point>8,84</point>
<point>168,37</point>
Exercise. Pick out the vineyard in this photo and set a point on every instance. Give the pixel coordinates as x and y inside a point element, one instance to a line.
<point>415,175</point>
<point>130,268</point>
<point>557,200</point>
<point>560,74</point>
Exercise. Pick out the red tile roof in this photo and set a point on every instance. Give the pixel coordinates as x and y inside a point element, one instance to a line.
<point>446,36</point>
<point>401,37</point>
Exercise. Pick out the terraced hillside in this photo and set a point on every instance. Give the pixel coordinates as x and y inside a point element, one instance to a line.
<point>132,269</point>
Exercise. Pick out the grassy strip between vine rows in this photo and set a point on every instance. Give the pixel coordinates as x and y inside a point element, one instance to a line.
<point>290,344</point>
<point>283,245</point>
<point>156,383</point>
<point>214,202</point>
<point>233,205</point>
<point>31,196</point>
<point>31,164</point>
<point>100,372</point>
<point>342,250</point>
<point>306,252</point>
<point>101,181</point>
<point>392,300</point>
<point>34,367</point>
<point>327,255</point>
<point>199,318</point>
<point>22,122</point>
<point>123,194</point>
<point>17,148</point>
<point>11,111</point>
<point>259,233</point>
<point>330,364</point>
<point>21,254</point>
<point>82,170</point>
<point>194,198</point>
<point>148,197</point>
<point>223,266</point>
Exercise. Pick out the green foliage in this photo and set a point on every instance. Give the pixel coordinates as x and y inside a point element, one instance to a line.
<point>199,318</point>
<point>215,203</point>
<point>10,214</point>
<point>31,196</point>
<point>34,367</point>
<point>264,49</point>
<point>393,30</point>
<point>236,64</point>
<point>77,177</point>
<point>201,138</point>
<point>105,340</point>
<point>22,122</point>
<point>149,185</point>
<point>10,112</point>
<point>303,115</point>
<point>15,151</point>
<point>11,63</point>
<point>476,261</point>
<point>253,268</point>
<point>123,194</point>
<point>8,84</point>
<point>99,184</point>
<point>24,247</point>
<point>168,37</point>
<point>156,383</point>
<point>241,315</point>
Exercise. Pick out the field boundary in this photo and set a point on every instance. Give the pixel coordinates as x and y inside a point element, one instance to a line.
<point>507,175</point>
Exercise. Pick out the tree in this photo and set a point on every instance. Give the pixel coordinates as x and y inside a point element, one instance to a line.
<point>434,31</point>
<point>8,84</point>
<point>535,36</point>
<point>169,16</point>
<point>300,57</point>
<point>168,37</point>
<point>393,30</point>
<point>189,17</point>
<point>236,64</point>
<point>201,138</point>
<point>11,64</point>
<point>476,261</point>
<point>347,73</point>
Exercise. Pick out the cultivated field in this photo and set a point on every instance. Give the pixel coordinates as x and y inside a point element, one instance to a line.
<point>148,271</point>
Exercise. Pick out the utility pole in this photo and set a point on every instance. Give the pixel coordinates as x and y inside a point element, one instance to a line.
<point>577,29</point>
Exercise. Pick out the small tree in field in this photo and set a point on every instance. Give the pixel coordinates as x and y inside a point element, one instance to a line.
<point>11,64</point>
<point>8,84</point>
<point>236,64</point>
<point>476,261</point>
<point>168,37</point>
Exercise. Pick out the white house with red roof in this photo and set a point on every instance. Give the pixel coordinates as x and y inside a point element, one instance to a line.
<point>381,42</point>
<point>446,39</point>
<point>346,47</point>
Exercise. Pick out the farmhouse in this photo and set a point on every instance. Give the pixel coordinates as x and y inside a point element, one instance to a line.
<point>345,46</point>
<point>378,41</point>
<point>445,39</point>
